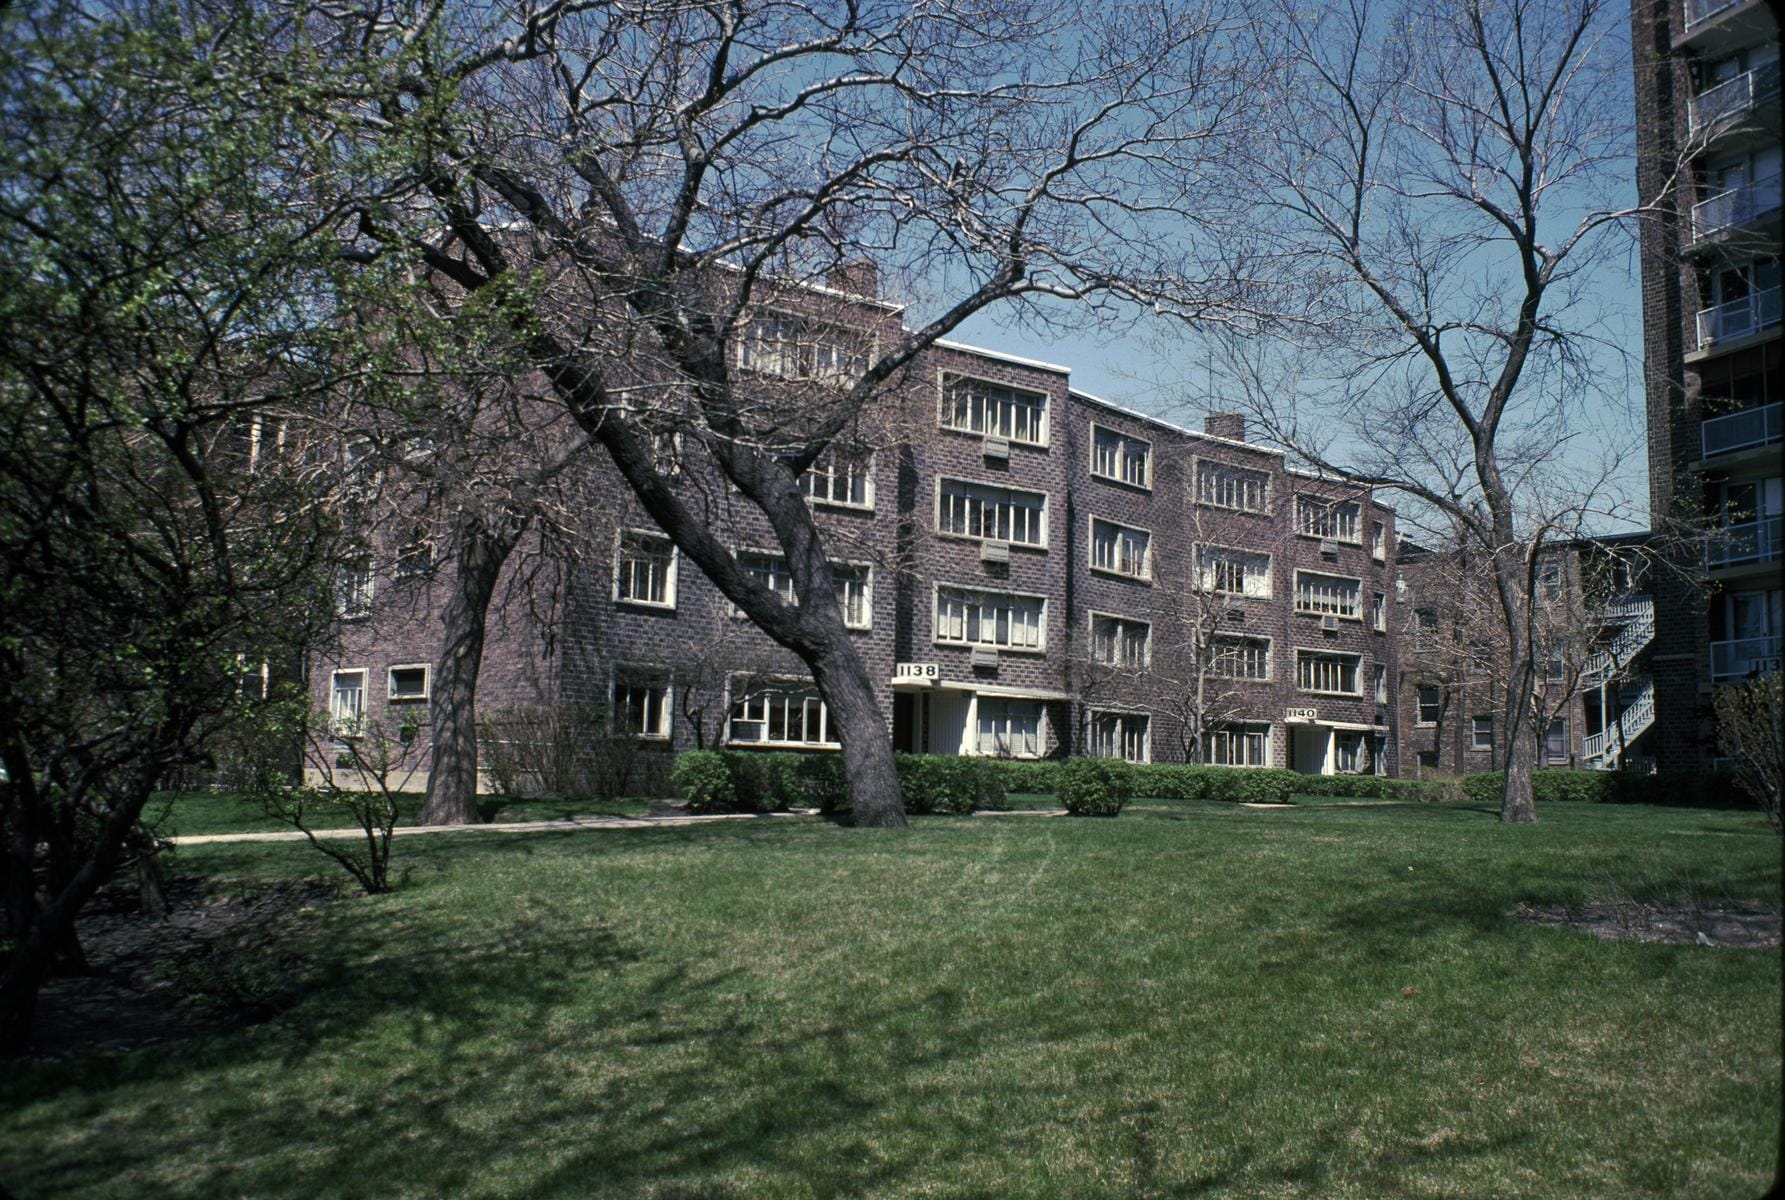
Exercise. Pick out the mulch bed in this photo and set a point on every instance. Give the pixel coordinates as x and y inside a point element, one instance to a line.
<point>1686,924</point>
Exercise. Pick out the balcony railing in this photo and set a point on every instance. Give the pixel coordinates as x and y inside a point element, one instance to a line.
<point>1739,430</point>
<point>1700,11</point>
<point>1739,318</point>
<point>1733,97</point>
<point>1738,545</point>
<point>1736,206</point>
<point>1743,657</point>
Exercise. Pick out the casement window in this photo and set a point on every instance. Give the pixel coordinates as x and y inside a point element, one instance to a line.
<point>771,713</point>
<point>640,703</point>
<point>353,590</point>
<point>1240,488</point>
<point>969,617</point>
<point>1009,728</point>
<point>645,570</point>
<point>1333,674</point>
<point>1555,741</point>
<point>977,510</point>
<point>854,583</point>
<point>1431,704</point>
<point>776,344</point>
<point>1481,733</point>
<point>1379,611</point>
<point>1240,657</point>
<point>1351,753</point>
<point>993,410</point>
<point>1121,549</point>
<point>1238,746</point>
<point>1119,735</point>
<point>1316,516</point>
<point>1121,457</point>
<point>1236,572</point>
<point>1327,595</point>
<point>770,570</point>
<point>1381,686</point>
<point>415,557</point>
<point>347,702</point>
<point>1121,641</point>
<point>840,478</point>
<point>407,681</point>
<point>252,681</point>
<point>1378,541</point>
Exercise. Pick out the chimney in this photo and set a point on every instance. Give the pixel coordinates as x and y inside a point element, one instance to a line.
<point>1226,424</point>
<point>854,277</point>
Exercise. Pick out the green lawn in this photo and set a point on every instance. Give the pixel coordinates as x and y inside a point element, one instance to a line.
<point>1190,1000</point>
<point>173,813</point>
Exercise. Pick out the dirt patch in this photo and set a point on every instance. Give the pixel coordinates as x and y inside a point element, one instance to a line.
<point>217,961</point>
<point>1686,924</point>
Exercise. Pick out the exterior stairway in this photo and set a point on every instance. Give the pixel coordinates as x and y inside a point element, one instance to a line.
<point>1634,617</point>
<point>1605,748</point>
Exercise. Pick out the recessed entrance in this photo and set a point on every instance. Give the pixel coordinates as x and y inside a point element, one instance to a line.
<point>1309,746</point>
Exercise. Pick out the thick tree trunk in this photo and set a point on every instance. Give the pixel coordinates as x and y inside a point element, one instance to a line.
<point>1516,801</point>
<point>867,750</point>
<point>452,775</point>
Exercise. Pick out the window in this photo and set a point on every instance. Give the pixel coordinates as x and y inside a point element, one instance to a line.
<point>1240,658</point>
<point>640,703</point>
<point>975,406</point>
<point>968,617</point>
<point>347,702</point>
<point>1122,458</point>
<point>1378,541</point>
<point>407,682</point>
<point>1481,733</point>
<point>353,590</point>
<point>415,557</point>
<point>1427,759</point>
<point>1549,579</point>
<point>1238,746</point>
<point>776,344</point>
<point>1555,741</point>
<point>1431,704</point>
<point>1119,735</point>
<point>645,570</point>
<point>1327,595</point>
<point>1121,550</point>
<point>840,478</point>
<point>1120,641</point>
<point>1316,516</point>
<point>1351,753</point>
<point>1317,671</point>
<point>1238,572</point>
<point>1009,728</point>
<point>994,513</point>
<point>778,714</point>
<point>1224,486</point>
<point>854,584</point>
<point>770,570</point>
<point>1381,684</point>
<point>1379,611</point>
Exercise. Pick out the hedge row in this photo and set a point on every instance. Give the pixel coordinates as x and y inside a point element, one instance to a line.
<point>748,781</point>
<point>1176,781</point>
<point>1565,785</point>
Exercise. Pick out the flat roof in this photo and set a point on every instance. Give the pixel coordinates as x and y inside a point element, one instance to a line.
<point>1018,359</point>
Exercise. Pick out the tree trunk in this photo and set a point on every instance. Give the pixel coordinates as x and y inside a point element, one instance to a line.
<point>1516,801</point>
<point>452,773</point>
<point>860,726</point>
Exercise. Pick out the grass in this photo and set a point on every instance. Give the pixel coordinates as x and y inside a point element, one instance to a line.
<point>173,813</point>
<point>1190,1000</point>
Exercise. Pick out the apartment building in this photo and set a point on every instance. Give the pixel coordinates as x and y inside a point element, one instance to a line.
<point>1707,97</point>
<point>1028,570</point>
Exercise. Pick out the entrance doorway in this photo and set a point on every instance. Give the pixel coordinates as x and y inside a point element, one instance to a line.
<point>1308,748</point>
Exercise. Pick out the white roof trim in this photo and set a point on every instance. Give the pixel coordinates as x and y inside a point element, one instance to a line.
<point>1000,356</point>
<point>1181,430</point>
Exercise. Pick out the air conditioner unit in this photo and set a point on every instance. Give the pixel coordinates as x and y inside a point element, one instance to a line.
<point>997,447</point>
<point>1329,623</point>
<point>1329,548</point>
<point>994,552</point>
<point>1233,602</point>
<point>984,656</point>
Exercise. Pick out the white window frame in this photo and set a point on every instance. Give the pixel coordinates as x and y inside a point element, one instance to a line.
<point>848,574</point>
<point>1379,611</point>
<point>1379,683</point>
<point>1324,518</point>
<point>347,721</point>
<point>1361,759</point>
<point>670,570</point>
<point>834,466</point>
<point>1241,642</point>
<point>800,350</point>
<point>769,568</point>
<point>1234,554</point>
<point>1419,705</point>
<point>1002,397</point>
<point>1234,477</point>
<point>1313,600</point>
<point>988,599</point>
<point>780,693</point>
<point>1129,736</point>
<point>1002,716</point>
<point>1121,551</point>
<point>1243,733</point>
<point>354,590</point>
<point>1315,653</point>
<point>390,683</point>
<point>648,679</point>
<point>1477,726</point>
<point>1003,505</point>
<point>1379,541</point>
<point>1121,456</point>
<point>1121,626</point>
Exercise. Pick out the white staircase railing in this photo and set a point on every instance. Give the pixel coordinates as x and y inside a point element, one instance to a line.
<point>1603,749</point>
<point>1638,616</point>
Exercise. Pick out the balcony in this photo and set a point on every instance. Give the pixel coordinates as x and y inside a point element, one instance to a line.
<point>1717,26</point>
<point>1738,318</point>
<point>1743,430</point>
<point>1742,545</point>
<point>1734,208</point>
<point>1743,657</point>
<point>1733,99</point>
<point>1700,11</point>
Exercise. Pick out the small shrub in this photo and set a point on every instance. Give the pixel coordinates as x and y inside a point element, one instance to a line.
<point>823,782</point>
<point>939,783</point>
<point>1039,778</point>
<point>704,780</point>
<point>1095,787</point>
<point>1172,781</point>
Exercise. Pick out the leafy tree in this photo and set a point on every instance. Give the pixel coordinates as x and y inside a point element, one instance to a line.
<point>1751,730</point>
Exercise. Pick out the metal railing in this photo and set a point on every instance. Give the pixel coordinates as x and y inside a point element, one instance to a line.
<point>1737,545</point>
<point>1700,11</point>
<point>1742,657</point>
<point>1735,206</point>
<point>1739,430</point>
<point>1733,97</point>
<point>1603,749</point>
<point>1739,318</point>
<point>1638,613</point>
